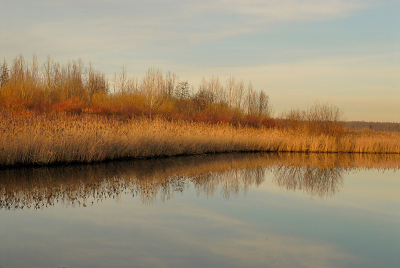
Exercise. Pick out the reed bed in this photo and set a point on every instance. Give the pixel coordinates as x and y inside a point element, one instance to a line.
<point>51,139</point>
<point>67,139</point>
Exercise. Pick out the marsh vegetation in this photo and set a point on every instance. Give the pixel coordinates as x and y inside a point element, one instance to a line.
<point>67,114</point>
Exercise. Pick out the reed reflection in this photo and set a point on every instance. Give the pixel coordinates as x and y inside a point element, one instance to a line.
<point>315,181</point>
<point>232,174</point>
<point>85,185</point>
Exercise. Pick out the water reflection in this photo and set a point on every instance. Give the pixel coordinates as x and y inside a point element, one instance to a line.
<point>317,174</point>
<point>315,181</point>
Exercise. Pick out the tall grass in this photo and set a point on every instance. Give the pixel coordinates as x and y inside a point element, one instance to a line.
<point>50,139</point>
<point>65,139</point>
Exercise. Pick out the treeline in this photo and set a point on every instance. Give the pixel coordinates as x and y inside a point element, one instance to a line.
<point>375,126</point>
<point>74,88</point>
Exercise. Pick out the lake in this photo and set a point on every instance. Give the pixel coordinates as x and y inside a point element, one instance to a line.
<point>223,210</point>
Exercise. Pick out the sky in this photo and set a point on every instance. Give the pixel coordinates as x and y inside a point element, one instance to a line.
<point>342,52</point>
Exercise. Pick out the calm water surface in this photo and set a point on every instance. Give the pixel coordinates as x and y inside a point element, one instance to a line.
<point>235,210</point>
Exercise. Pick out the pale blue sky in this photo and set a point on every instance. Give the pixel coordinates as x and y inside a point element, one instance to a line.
<point>345,52</point>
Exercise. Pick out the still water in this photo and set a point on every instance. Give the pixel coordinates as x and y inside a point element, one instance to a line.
<point>232,210</point>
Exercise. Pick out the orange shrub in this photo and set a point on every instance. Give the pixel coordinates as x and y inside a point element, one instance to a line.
<point>73,105</point>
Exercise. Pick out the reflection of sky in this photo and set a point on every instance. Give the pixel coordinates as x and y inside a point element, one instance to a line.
<point>342,51</point>
<point>268,227</point>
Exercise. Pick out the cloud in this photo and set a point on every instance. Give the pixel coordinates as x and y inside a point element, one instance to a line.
<point>177,234</point>
<point>139,24</point>
<point>198,21</point>
<point>281,251</point>
<point>284,10</point>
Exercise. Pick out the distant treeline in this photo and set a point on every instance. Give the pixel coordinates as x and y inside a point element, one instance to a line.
<point>74,88</point>
<point>376,126</point>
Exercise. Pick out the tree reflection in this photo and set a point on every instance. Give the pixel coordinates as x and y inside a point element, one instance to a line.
<point>84,185</point>
<point>316,181</point>
<point>229,174</point>
<point>231,182</point>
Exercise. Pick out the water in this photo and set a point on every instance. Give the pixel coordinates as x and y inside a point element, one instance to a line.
<point>235,210</point>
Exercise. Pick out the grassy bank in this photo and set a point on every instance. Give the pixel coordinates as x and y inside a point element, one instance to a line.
<point>50,139</point>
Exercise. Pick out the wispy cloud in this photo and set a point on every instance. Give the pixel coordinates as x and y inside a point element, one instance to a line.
<point>143,23</point>
<point>194,21</point>
<point>284,10</point>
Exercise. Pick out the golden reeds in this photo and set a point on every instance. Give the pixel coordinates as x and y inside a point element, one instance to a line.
<point>53,139</point>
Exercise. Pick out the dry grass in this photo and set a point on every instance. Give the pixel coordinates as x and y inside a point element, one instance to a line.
<point>48,139</point>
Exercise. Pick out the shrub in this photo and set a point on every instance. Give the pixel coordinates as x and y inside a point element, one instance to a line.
<point>316,120</point>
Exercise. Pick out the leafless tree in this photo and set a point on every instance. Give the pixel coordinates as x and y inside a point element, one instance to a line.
<point>4,73</point>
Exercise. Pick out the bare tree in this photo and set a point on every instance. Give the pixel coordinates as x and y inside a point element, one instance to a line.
<point>170,84</point>
<point>204,96</point>
<point>217,89</point>
<point>133,85</point>
<point>97,82</point>
<point>239,94</point>
<point>152,86</point>
<point>263,108</point>
<point>123,81</point>
<point>182,90</point>
<point>230,91</point>
<point>251,100</point>
<point>4,74</point>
